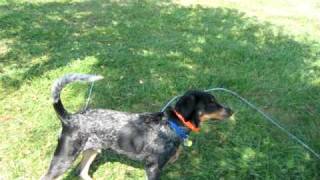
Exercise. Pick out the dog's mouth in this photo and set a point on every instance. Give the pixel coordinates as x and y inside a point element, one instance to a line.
<point>225,119</point>
<point>230,117</point>
<point>220,115</point>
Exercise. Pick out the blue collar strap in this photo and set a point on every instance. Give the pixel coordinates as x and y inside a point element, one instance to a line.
<point>181,132</point>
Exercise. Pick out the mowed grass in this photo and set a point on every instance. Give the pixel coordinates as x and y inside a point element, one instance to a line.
<point>150,51</point>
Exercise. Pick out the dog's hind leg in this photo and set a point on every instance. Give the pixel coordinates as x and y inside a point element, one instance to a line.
<point>66,152</point>
<point>88,157</point>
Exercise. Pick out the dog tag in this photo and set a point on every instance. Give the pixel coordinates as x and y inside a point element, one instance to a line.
<point>187,143</point>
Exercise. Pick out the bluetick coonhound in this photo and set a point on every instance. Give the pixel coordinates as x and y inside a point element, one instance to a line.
<point>152,138</point>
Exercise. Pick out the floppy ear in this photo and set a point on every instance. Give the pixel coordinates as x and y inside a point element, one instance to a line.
<point>186,105</point>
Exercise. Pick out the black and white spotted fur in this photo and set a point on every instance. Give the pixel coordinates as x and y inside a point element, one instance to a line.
<point>145,137</point>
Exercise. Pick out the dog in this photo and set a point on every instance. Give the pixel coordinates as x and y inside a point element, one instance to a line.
<point>152,138</point>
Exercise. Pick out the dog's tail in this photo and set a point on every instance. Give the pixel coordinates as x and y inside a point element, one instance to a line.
<point>63,81</point>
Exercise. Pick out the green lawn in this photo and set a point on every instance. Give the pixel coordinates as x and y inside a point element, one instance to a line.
<point>149,51</point>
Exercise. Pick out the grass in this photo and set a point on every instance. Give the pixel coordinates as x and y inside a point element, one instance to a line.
<point>149,51</point>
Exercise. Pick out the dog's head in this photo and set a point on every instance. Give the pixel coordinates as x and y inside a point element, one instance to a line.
<point>199,106</point>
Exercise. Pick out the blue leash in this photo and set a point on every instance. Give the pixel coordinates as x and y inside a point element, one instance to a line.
<point>89,96</point>
<point>273,121</point>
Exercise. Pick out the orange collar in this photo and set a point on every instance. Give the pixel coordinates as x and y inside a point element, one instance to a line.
<point>186,123</point>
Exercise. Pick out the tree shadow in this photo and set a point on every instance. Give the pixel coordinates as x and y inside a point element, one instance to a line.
<point>150,50</point>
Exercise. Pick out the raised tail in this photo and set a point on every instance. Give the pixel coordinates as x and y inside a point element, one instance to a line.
<point>63,81</point>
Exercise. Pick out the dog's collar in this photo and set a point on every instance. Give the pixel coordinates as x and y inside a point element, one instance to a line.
<point>181,132</point>
<point>188,124</point>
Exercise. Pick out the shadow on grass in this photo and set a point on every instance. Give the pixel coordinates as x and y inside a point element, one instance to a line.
<point>104,157</point>
<point>149,51</point>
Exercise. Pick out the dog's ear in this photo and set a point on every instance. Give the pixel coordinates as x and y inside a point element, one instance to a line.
<point>186,105</point>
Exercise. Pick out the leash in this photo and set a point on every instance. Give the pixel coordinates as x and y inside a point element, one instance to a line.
<point>266,116</point>
<point>89,96</point>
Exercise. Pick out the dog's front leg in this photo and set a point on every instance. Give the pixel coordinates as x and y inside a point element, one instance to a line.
<point>152,171</point>
<point>87,158</point>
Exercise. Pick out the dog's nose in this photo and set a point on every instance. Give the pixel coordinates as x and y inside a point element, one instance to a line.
<point>227,111</point>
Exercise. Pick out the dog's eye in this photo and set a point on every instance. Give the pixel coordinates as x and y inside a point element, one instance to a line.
<point>213,106</point>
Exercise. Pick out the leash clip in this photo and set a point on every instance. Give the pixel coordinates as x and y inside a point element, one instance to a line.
<point>187,142</point>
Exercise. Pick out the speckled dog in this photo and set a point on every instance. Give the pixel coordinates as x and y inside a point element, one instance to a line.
<point>152,138</point>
